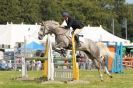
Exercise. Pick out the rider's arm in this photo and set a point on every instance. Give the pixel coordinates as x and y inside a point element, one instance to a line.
<point>63,24</point>
<point>69,24</point>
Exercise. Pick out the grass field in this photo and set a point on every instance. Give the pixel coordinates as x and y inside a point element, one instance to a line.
<point>122,80</point>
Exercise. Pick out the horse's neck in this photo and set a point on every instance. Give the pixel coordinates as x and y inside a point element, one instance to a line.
<point>61,31</point>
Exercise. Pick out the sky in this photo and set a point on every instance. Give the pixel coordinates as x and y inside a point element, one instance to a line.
<point>129,1</point>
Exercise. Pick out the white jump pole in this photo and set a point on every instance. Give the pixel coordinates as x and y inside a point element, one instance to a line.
<point>50,60</point>
<point>24,68</point>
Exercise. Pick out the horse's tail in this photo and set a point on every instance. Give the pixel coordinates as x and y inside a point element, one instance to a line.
<point>104,50</point>
<point>111,54</point>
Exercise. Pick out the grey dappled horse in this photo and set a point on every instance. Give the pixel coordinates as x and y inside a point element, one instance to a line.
<point>63,40</point>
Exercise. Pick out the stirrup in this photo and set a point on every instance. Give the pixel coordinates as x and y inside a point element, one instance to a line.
<point>81,35</point>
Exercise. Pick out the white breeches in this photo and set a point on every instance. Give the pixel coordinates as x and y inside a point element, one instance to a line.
<point>77,31</point>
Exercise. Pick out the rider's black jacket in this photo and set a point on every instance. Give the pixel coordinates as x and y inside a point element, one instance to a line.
<point>74,24</point>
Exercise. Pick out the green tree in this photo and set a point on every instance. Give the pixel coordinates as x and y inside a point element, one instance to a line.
<point>130,22</point>
<point>8,11</point>
<point>30,11</point>
<point>17,11</point>
<point>50,10</point>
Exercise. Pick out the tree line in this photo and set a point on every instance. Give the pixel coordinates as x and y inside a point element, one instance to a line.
<point>92,12</point>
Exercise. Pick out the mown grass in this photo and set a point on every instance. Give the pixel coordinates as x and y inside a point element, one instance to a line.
<point>122,80</point>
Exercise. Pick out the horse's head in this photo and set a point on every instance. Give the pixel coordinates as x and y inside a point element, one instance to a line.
<point>47,27</point>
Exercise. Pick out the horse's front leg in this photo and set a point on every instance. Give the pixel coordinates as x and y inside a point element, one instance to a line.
<point>61,45</point>
<point>60,48</point>
<point>97,64</point>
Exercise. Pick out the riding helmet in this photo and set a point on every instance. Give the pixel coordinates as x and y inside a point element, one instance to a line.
<point>65,14</point>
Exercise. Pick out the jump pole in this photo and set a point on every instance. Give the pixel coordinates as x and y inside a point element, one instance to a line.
<point>24,68</point>
<point>75,64</point>
<point>48,71</point>
<point>45,63</point>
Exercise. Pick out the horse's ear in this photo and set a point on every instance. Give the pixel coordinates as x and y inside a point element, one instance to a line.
<point>40,23</point>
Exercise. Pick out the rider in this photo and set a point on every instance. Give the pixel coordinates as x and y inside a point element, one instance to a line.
<point>75,24</point>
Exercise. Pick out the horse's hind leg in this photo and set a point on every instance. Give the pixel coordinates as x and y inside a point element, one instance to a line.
<point>107,72</point>
<point>106,69</point>
<point>97,64</point>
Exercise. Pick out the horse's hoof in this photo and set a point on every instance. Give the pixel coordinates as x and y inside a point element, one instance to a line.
<point>111,76</point>
<point>101,80</point>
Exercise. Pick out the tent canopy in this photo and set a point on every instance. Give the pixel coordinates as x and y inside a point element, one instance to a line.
<point>34,46</point>
<point>99,34</point>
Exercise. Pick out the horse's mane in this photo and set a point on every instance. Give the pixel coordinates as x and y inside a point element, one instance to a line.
<point>51,22</point>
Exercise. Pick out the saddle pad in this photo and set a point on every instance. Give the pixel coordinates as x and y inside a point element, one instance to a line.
<point>82,39</point>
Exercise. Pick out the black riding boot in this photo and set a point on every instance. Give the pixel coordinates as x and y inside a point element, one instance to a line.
<point>77,40</point>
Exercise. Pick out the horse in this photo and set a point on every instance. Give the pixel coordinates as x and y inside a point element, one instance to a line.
<point>63,40</point>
